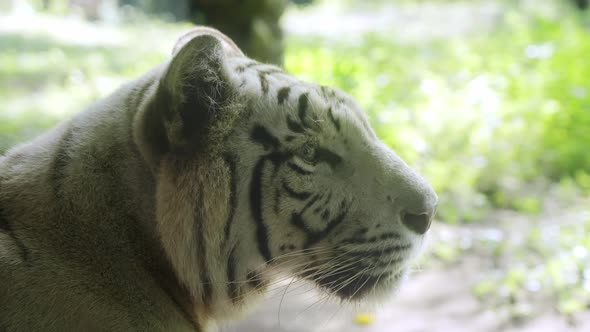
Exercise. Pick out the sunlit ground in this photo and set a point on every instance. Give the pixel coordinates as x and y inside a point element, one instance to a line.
<point>488,99</point>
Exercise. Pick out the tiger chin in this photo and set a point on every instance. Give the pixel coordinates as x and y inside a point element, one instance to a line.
<point>172,203</point>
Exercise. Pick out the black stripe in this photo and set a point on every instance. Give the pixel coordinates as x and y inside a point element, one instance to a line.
<point>326,215</point>
<point>327,156</point>
<point>256,209</point>
<point>277,159</point>
<point>232,286</point>
<point>277,201</point>
<point>315,236</point>
<point>271,71</point>
<point>298,169</point>
<point>323,90</point>
<point>327,92</point>
<point>6,228</point>
<point>303,195</point>
<point>341,284</point>
<point>231,161</point>
<point>373,239</point>
<point>379,252</point>
<point>373,264</point>
<point>202,247</point>
<point>242,68</point>
<point>61,161</point>
<point>328,198</point>
<point>388,236</point>
<point>283,94</point>
<point>261,135</point>
<point>367,265</point>
<point>298,221</point>
<point>362,231</point>
<point>335,121</point>
<point>263,82</point>
<point>255,281</point>
<point>313,200</point>
<point>330,226</point>
<point>294,126</point>
<point>303,104</point>
<point>196,324</point>
<point>25,252</point>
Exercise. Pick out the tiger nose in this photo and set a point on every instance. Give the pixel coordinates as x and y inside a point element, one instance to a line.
<point>418,223</point>
<point>418,208</point>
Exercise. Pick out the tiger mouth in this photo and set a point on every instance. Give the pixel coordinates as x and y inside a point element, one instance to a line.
<point>355,284</point>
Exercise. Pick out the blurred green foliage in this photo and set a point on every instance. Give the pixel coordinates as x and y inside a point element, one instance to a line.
<point>487,119</point>
<point>549,264</point>
<point>46,76</point>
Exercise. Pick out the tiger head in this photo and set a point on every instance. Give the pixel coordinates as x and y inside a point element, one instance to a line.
<point>260,172</point>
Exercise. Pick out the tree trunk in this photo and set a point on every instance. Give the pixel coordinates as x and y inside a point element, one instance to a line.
<point>581,4</point>
<point>252,24</point>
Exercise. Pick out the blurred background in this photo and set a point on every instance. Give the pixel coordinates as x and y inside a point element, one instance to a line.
<point>489,100</point>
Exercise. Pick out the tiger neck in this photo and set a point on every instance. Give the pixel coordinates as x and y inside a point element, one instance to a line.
<point>195,213</point>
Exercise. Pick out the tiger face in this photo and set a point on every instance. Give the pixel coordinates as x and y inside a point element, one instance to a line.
<point>328,200</point>
<point>297,181</point>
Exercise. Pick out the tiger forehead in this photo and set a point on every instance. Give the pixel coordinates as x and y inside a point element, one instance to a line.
<point>308,105</point>
<point>308,108</point>
<point>318,106</point>
<point>272,78</point>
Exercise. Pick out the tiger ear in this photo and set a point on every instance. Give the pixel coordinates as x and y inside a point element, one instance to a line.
<point>229,47</point>
<point>191,96</point>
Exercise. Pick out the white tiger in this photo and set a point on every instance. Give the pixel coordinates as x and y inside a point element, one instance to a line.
<point>170,204</point>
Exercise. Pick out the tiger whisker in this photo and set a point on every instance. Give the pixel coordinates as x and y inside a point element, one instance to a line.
<point>281,303</point>
<point>323,299</point>
<point>381,273</point>
<point>354,277</point>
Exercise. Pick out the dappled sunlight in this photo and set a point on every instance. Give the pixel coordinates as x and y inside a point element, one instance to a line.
<point>489,100</point>
<point>455,107</point>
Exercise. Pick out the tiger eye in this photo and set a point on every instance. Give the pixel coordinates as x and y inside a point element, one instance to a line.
<point>308,153</point>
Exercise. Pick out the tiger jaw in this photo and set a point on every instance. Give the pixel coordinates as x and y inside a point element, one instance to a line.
<point>362,265</point>
<point>357,286</point>
<point>353,274</point>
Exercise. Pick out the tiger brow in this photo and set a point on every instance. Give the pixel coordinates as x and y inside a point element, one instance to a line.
<point>335,121</point>
<point>328,156</point>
